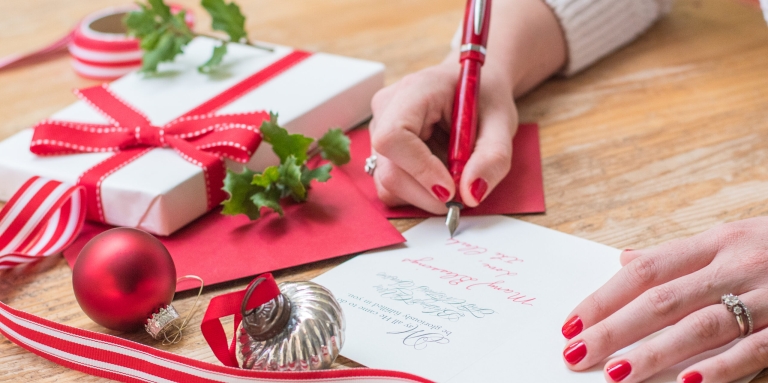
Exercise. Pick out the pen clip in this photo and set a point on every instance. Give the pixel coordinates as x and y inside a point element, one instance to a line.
<point>479,14</point>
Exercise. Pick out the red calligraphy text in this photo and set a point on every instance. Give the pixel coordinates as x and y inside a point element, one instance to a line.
<point>453,278</point>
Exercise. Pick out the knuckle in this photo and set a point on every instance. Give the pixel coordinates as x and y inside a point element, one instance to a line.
<point>606,334</point>
<point>384,139</point>
<point>385,196</point>
<point>422,172</point>
<point>662,300</point>
<point>730,234</point>
<point>722,366</point>
<point>596,303</point>
<point>380,99</point>
<point>501,157</point>
<point>706,325</point>
<point>387,178</point>
<point>643,271</point>
<point>411,79</point>
<point>653,356</point>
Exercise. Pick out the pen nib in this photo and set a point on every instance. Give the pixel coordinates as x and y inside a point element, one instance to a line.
<point>452,219</point>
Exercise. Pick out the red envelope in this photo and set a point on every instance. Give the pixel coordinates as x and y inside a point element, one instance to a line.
<point>522,191</point>
<point>336,220</point>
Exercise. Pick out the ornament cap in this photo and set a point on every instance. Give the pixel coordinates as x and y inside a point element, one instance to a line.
<point>160,322</point>
<point>265,321</point>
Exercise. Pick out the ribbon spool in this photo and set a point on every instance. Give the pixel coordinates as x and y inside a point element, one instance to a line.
<point>101,48</point>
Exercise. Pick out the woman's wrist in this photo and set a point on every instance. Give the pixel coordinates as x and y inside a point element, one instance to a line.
<point>525,45</point>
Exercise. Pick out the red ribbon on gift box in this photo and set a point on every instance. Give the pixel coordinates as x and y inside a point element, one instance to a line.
<point>199,136</point>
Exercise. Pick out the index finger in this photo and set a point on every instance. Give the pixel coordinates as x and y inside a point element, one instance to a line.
<point>651,267</point>
<point>403,125</point>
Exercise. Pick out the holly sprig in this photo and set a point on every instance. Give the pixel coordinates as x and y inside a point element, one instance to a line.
<point>164,34</point>
<point>250,191</point>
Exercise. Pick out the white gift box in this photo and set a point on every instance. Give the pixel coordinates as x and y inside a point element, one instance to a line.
<point>160,192</point>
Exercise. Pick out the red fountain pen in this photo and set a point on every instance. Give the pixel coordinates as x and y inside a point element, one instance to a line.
<point>464,122</point>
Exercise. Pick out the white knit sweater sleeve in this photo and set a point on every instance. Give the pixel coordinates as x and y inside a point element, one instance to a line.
<point>595,28</point>
<point>764,4</point>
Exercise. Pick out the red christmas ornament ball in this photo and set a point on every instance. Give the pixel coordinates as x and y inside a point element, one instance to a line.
<point>122,276</point>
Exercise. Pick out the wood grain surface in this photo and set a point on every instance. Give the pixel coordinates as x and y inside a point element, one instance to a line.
<point>664,139</point>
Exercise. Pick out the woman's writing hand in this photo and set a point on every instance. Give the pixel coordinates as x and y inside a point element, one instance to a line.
<point>525,46</point>
<point>414,115</point>
<point>679,284</point>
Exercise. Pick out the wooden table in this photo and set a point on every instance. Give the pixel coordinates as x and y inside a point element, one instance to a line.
<point>662,140</point>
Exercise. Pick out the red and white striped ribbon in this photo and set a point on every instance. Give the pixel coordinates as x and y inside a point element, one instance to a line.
<point>115,358</point>
<point>99,47</point>
<point>99,52</point>
<point>43,218</point>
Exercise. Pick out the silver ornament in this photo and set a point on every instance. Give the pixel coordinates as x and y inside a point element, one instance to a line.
<point>301,329</point>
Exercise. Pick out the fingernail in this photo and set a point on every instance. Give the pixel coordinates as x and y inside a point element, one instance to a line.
<point>478,189</point>
<point>575,353</point>
<point>573,327</point>
<point>619,371</point>
<point>441,193</point>
<point>692,377</point>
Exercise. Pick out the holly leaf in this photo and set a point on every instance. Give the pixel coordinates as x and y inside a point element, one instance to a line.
<point>250,192</point>
<point>215,60</point>
<point>162,35</point>
<point>290,177</point>
<point>269,176</point>
<point>159,8</point>
<point>167,48</point>
<point>141,23</point>
<point>334,146</point>
<point>161,51</point>
<point>321,174</point>
<point>241,191</point>
<point>284,144</point>
<point>226,18</point>
<point>269,199</point>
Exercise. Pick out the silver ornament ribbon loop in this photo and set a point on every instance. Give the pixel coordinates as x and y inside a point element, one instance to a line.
<point>739,309</point>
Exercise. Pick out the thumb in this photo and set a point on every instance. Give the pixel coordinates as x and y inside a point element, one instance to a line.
<point>492,156</point>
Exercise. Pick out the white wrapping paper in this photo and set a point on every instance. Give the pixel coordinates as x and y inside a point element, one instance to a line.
<point>161,192</point>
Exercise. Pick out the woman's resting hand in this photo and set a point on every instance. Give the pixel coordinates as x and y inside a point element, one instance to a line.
<point>678,284</point>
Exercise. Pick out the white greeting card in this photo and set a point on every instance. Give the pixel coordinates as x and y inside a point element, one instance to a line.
<point>485,306</point>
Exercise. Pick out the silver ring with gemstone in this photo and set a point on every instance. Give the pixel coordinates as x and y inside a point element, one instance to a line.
<point>743,316</point>
<point>370,164</point>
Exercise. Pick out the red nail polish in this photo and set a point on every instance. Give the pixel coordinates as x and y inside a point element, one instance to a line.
<point>619,371</point>
<point>575,353</point>
<point>441,193</point>
<point>478,189</point>
<point>573,327</point>
<point>692,377</point>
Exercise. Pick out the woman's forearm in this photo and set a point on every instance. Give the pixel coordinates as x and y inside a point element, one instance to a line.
<point>525,45</point>
<point>532,39</point>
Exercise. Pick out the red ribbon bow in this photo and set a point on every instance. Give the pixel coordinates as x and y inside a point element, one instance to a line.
<point>203,139</point>
<point>199,136</point>
<point>234,136</point>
